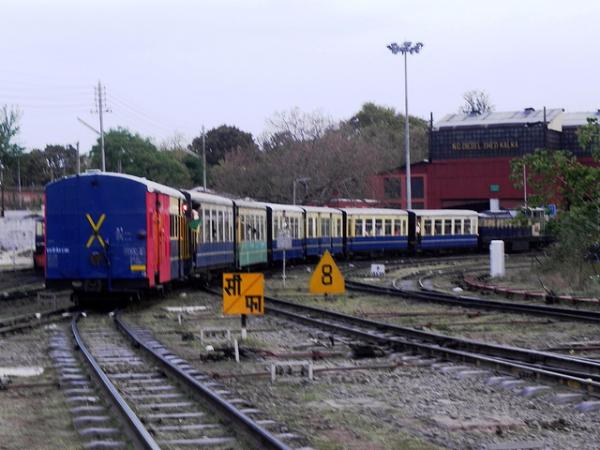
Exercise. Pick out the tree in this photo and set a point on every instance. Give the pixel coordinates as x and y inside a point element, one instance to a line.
<point>135,155</point>
<point>476,102</point>
<point>557,176</point>
<point>300,145</point>
<point>9,128</point>
<point>589,137</point>
<point>383,128</point>
<point>223,140</point>
<point>60,160</point>
<point>9,150</point>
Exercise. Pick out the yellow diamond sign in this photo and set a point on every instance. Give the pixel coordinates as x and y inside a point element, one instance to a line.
<point>327,278</point>
<point>243,293</point>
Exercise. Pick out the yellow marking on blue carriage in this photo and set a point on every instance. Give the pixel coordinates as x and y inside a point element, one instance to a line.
<point>95,230</point>
<point>138,268</point>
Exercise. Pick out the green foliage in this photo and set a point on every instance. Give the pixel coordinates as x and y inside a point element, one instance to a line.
<point>138,156</point>
<point>9,128</point>
<point>221,141</point>
<point>383,128</point>
<point>558,177</point>
<point>589,137</point>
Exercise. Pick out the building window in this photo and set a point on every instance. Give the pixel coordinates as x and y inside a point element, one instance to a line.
<point>417,187</point>
<point>392,187</point>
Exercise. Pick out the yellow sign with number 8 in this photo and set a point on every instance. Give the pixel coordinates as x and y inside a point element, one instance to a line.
<point>327,278</point>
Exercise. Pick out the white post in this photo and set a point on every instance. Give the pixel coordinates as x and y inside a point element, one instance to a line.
<point>236,350</point>
<point>497,259</point>
<point>283,277</point>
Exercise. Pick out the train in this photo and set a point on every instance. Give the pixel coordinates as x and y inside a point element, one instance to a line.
<point>111,232</point>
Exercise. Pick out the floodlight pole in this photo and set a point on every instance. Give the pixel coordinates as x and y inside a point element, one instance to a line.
<point>405,49</point>
<point>203,158</point>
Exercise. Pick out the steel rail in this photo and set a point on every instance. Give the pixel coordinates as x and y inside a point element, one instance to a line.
<point>552,366</point>
<point>259,436</point>
<point>137,430</point>
<point>478,303</point>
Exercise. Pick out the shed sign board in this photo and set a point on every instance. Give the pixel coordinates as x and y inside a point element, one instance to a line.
<point>243,293</point>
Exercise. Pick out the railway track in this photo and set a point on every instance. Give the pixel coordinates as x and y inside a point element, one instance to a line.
<point>32,320</point>
<point>163,401</point>
<point>579,373</point>
<point>430,295</point>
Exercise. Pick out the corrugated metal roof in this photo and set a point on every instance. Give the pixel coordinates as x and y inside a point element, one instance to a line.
<point>576,119</point>
<point>528,115</point>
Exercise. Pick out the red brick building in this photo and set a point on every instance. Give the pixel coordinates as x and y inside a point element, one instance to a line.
<point>470,154</point>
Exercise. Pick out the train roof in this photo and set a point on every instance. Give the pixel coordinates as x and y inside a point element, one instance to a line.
<point>151,186</point>
<point>282,207</point>
<point>322,209</point>
<point>204,197</point>
<point>250,204</point>
<point>374,211</point>
<point>444,212</point>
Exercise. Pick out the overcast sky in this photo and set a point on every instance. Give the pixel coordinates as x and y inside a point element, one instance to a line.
<point>175,65</point>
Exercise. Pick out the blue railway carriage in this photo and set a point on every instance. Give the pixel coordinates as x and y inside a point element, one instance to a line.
<point>285,220</point>
<point>212,237</point>
<point>323,230</point>
<point>109,232</point>
<point>443,229</point>
<point>375,231</point>
<point>250,220</point>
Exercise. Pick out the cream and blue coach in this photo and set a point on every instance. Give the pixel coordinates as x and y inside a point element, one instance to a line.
<point>285,221</point>
<point>323,230</point>
<point>370,230</point>
<point>211,222</point>
<point>442,229</point>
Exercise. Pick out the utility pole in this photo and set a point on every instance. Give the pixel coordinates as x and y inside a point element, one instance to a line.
<point>19,182</point>
<point>2,189</point>
<point>100,96</point>
<point>203,158</point>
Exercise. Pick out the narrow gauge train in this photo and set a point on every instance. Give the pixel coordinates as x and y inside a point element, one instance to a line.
<point>109,232</point>
<point>520,230</point>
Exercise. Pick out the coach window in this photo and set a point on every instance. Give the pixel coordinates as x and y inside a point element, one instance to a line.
<point>397,224</point>
<point>437,226</point>
<point>427,227</point>
<point>448,226</point>
<point>387,227</point>
<point>378,227</point>
<point>368,227</point>
<point>358,227</point>
<point>467,226</point>
<point>325,227</point>
<point>220,231</point>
